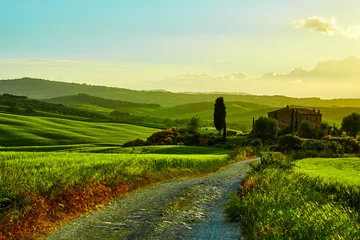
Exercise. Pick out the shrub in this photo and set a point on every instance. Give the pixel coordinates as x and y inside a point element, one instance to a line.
<point>213,140</point>
<point>192,139</point>
<point>277,160</point>
<point>231,133</point>
<point>203,141</point>
<point>289,143</point>
<point>241,153</point>
<point>134,143</point>
<point>350,145</point>
<point>164,137</point>
<point>302,154</point>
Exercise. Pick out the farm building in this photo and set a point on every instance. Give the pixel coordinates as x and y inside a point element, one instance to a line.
<point>293,117</point>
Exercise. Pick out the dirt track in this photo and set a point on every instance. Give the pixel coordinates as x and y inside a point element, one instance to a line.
<point>181,209</point>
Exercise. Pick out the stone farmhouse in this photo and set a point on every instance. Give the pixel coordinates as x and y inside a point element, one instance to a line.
<point>293,117</point>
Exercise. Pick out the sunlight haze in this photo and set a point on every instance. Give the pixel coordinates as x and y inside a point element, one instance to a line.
<point>293,48</point>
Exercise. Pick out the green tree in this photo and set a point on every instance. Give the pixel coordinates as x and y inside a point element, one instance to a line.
<point>351,124</point>
<point>266,128</point>
<point>193,125</point>
<point>220,115</point>
<point>307,130</point>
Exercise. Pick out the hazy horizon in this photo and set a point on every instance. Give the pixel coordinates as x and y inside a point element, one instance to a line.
<point>187,46</point>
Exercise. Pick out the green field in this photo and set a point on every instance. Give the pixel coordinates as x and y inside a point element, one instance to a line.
<point>345,171</point>
<point>17,130</point>
<point>40,171</point>
<point>39,189</point>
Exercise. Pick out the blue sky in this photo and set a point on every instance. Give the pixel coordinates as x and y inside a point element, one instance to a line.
<point>212,37</point>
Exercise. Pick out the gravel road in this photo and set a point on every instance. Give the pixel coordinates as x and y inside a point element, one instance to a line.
<point>179,209</point>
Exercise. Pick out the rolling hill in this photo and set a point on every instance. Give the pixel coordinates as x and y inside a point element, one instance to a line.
<point>44,89</point>
<point>103,105</point>
<point>17,130</point>
<point>239,114</point>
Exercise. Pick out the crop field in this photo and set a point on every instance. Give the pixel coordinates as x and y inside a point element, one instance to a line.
<point>345,171</point>
<point>16,130</point>
<point>38,189</point>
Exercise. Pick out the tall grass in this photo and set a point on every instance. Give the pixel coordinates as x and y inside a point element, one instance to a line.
<point>274,202</point>
<point>339,178</point>
<point>40,171</point>
<point>40,189</point>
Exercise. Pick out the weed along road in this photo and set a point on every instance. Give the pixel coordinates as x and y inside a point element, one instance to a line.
<point>179,209</point>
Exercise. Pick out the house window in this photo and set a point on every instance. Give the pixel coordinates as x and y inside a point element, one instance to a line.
<point>307,118</point>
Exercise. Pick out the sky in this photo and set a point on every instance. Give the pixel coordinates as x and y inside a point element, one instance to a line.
<point>143,44</point>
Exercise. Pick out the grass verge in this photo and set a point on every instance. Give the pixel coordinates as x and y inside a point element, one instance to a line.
<point>274,202</point>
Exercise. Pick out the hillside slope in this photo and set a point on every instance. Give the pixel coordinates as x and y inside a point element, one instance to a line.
<point>17,130</point>
<point>103,105</point>
<point>42,89</point>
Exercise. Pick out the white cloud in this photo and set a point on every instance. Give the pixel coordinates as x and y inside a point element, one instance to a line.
<point>328,26</point>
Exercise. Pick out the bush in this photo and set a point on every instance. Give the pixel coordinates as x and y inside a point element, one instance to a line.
<point>203,141</point>
<point>192,139</point>
<point>289,143</point>
<point>321,146</point>
<point>165,137</point>
<point>231,133</point>
<point>350,145</point>
<point>241,153</point>
<point>134,143</point>
<point>214,140</point>
<point>302,154</point>
<point>277,160</point>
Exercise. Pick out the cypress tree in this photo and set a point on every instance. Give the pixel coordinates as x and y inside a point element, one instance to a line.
<point>220,115</point>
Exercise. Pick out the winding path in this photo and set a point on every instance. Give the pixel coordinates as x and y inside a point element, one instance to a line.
<point>179,209</point>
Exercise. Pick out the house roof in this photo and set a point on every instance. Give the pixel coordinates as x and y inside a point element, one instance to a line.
<point>303,111</point>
